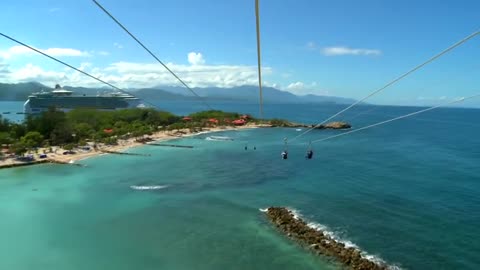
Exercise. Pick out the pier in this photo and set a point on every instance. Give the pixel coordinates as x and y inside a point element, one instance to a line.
<point>15,164</point>
<point>124,153</point>
<point>170,145</point>
<point>65,163</point>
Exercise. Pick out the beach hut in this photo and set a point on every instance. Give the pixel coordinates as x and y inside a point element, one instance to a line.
<point>239,122</point>
<point>212,122</point>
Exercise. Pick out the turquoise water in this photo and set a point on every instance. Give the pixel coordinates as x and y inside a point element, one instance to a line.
<point>13,107</point>
<point>407,192</point>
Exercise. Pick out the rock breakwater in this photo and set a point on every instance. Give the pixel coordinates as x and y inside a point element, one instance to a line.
<point>318,241</point>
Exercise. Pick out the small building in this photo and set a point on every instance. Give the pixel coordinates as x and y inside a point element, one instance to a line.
<point>239,122</point>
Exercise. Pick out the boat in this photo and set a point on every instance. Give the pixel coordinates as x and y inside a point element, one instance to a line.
<point>66,100</point>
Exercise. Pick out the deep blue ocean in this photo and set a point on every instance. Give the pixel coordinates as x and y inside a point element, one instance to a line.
<point>407,192</point>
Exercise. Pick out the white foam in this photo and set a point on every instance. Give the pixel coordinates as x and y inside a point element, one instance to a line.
<point>148,187</point>
<point>295,213</point>
<point>202,132</point>
<point>218,138</point>
<point>264,210</point>
<point>348,244</point>
<point>298,129</point>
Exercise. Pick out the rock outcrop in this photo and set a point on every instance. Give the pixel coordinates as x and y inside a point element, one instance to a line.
<point>335,125</point>
<point>331,125</point>
<point>319,241</point>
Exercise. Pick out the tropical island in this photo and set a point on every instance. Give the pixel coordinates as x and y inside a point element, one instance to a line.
<point>63,137</point>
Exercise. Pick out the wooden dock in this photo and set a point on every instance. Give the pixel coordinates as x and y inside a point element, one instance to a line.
<point>170,145</point>
<point>124,153</point>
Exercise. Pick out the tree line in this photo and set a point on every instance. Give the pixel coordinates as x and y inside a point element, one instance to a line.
<point>78,126</point>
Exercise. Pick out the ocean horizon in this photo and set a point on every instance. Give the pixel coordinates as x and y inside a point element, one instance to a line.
<point>406,193</point>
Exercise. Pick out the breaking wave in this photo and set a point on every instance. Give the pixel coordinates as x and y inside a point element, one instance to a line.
<point>324,229</point>
<point>149,187</point>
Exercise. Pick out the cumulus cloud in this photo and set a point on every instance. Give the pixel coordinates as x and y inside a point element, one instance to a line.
<point>301,88</point>
<point>336,51</point>
<point>296,86</point>
<point>21,50</point>
<point>138,75</point>
<point>196,58</point>
<point>31,72</point>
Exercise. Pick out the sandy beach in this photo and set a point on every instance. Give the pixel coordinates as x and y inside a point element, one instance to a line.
<point>58,157</point>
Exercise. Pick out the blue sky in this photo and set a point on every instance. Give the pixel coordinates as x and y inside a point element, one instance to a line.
<point>341,48</point>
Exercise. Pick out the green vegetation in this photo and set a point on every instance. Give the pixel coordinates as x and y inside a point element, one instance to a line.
<point>79,126</point>
<point>221,116</point>
<point>280,123</point>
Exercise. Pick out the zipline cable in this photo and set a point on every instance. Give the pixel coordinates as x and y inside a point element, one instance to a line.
<point>393,81</point>
<point>152,54</point>
<point>72,67</point>
<point>396,118</point>
<point>257,16</point>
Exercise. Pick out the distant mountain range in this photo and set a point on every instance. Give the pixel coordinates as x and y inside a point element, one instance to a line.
<point>21,91</point>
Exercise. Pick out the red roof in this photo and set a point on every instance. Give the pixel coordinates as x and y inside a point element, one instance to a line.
<point>108,130</point>
<point>186,118</point>
<point>238,122</point>
<point>213,120</point>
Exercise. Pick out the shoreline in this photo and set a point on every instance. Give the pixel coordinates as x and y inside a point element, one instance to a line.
<point>159,136</point>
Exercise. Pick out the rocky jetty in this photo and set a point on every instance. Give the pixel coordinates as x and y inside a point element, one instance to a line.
<point>334,125</point>
<point>319,241</point>
<point>331,125</point>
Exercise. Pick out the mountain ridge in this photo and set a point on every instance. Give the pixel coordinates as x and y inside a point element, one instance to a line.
<point>246,93</point>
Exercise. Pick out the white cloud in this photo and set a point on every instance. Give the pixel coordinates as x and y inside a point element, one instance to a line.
<point>300,88</point>
<point>22,50</point>
<point>196,58</point>
<point>335,51</point>
<point>137,75</point>
<point>296,86</point>
<point>117,45</point>
<point>35,73</point>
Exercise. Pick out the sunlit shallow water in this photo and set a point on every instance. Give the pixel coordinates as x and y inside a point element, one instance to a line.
<point>408,193</point>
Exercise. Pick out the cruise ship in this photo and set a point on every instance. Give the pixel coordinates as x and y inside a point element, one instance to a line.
<point>66,100</point>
